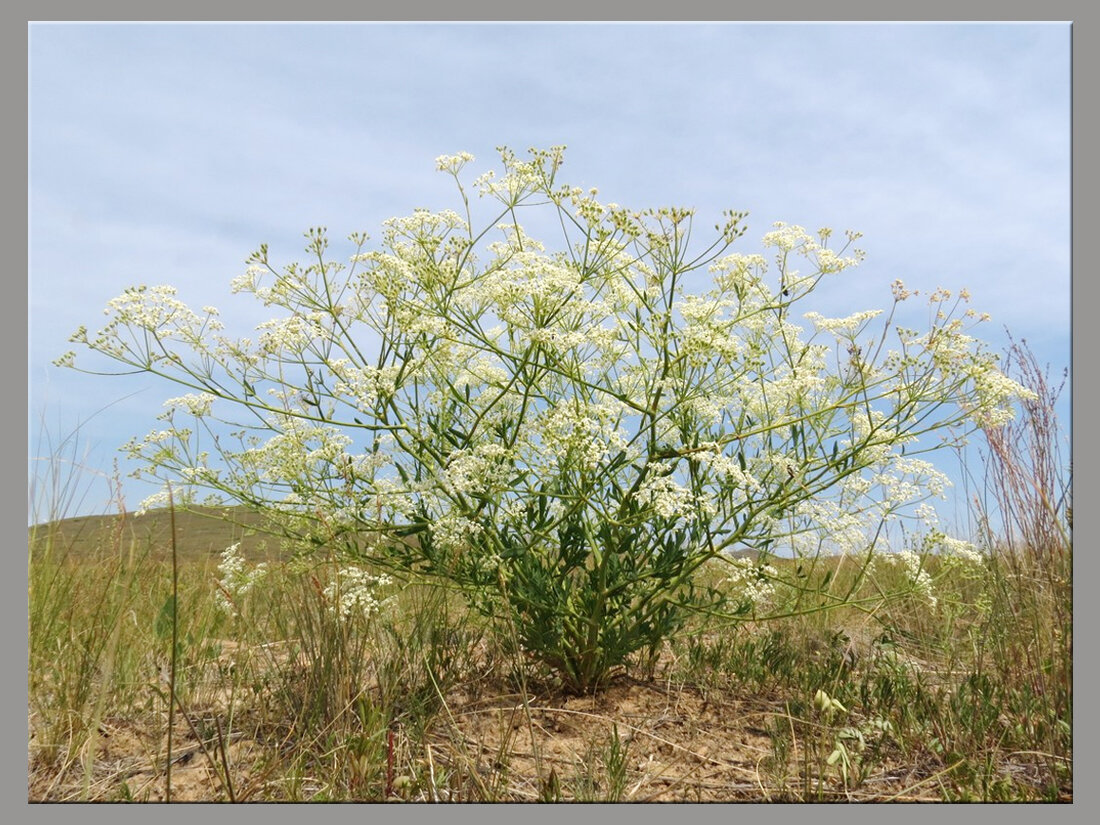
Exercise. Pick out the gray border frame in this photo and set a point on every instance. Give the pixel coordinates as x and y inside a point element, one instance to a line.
<point>17,15</point>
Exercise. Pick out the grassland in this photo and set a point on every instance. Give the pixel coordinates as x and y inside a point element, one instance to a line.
<point>969,700</point>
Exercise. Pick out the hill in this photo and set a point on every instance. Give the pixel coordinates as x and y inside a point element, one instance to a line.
<point>202,532</point>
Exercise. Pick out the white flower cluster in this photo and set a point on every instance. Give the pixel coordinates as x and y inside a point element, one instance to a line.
<point>870,435</point>
<point>237,579</point>
<point>453,163</point>
<point>829,261</point>
<point>388,275</point>
<point>521,178</point>
<point>484,468</point>
<point>994,391</point>
<point>297,449</point>
<point>708,332</point>
<point>960,357</point>
<point>158,308</point>
<point>950,547</point>
<point>588,432</point>
<point>923,474</point>
<point>180,497</point>
<point>452,532</point>
<point>842,327</point>
<point>740,274</point>
<point>354,592</point>
<point>363,384</point>
<point>919,578</point>
<point>521,282</point>
<point>247,281</point>
<point>667,497</point>
<point>153,310</point>
<point>389,501</point>
<point>197,404</point>
<point>789,238</point>
<point>406,234</point>
<point>842,526</point>
<point>710,455</point>
<point>752,581</point>
<point>292,334</point>
<point>962,549</point>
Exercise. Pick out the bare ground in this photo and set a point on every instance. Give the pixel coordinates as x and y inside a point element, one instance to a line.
<point>675,743</point>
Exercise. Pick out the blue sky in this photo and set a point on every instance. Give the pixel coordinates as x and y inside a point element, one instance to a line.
<point>167,153</point>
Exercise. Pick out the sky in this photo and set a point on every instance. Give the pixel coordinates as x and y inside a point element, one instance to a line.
<point>165,154</point>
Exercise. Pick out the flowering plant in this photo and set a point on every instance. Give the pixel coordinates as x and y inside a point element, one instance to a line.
<point>568,434</point>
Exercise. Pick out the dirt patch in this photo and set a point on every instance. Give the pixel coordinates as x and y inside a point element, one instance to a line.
<point>675,744</point>
<point>672,745</point>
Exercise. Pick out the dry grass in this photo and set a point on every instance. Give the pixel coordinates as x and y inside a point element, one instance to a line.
<point>428,705</point>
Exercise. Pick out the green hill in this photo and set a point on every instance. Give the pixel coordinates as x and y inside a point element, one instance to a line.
<point>200,533</point>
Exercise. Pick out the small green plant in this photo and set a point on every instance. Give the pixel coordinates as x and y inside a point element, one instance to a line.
<point>615,765</point>
<point>849,743</point>
<point>600,773</point>
<point>566,434</point>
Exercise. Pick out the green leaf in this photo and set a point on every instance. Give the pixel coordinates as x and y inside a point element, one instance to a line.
<point>162,626</point>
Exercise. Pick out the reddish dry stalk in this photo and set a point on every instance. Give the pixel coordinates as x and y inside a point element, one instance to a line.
<point>1026,474</point>
<point>389,762</point>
